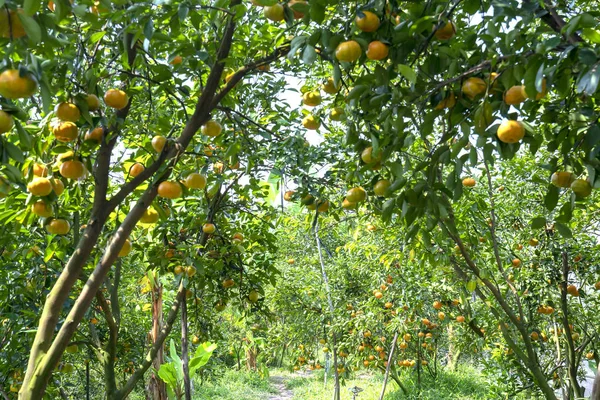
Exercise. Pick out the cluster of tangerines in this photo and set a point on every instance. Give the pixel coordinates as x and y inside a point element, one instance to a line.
<point>190,271</point>
<point>512,131</point>
<point>313,98</point>
<point>47,184</point>
<point>378,355</point>
<point>305,358</point>
<point>348,51</point>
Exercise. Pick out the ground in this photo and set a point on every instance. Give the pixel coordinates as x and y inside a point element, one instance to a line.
<point>283,393</point>
<point>464,384</point>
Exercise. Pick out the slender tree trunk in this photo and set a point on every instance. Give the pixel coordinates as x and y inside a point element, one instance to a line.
<point>282,354</point>
<point>596,388</point>
<point>453,352</point>
<point>184,351</point>
<point>419,367</point>
<point>336,392</point>
<point>389,365</point>
<point>87,380</point>
<point>122,393</point>
<point>399,383</point>
<point>251,359</point>
<point>530,359</point>
<point>571,358</point>
<point>157,389</point>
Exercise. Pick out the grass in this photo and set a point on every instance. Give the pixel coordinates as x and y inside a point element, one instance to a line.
<point>463,384</point>
<point>235,385</point>
<point>466,383</point>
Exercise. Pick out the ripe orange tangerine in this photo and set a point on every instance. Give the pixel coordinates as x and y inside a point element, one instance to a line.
<point>41,209</point>
<point>377,50</point>
<point>367,22</point>
<point>468,182</point>
<point>195,181</point>
<point>136,169</point>
<point>13,29</point>
<point>15,86</point>
<point>212,128</point>
<point>515,95</point>
<point>93,102</point>
<point>311,123</point>
<point>65,131</point>
<point>473,87</point>
<point>58,227</point>
<point>170,190</point>
<point>72,169</point>
<point>67,112</point>
<point>562,179</point>
<point>6,121</point>
<point>349,51</point>
<point>116,98</point>
<point>95,135</point>
<point>356,195</point>
<point>446,31</point>
<point>511,131</point>
<point>158,143</point>
<point>39,186</point>
<point>126,249</point>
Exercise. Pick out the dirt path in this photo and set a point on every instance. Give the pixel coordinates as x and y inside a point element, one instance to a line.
<point>284,393</point>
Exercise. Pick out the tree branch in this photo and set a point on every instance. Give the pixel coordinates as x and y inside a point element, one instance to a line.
<point>552,19</point>
<point>240,73</point>
<point>71,272</point>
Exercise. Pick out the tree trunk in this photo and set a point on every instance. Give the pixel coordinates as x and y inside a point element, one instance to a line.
<point>251,359</point>
<point>389,365</point>
<point>572,364</point>
<point>184,351</point>
<point>336,392</point>
<point>282,355</point>
<point>596,389</point>
<point>157,389</point>
<point>453,352</point>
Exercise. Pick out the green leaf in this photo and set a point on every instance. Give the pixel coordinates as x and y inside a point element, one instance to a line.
<point>592,136</point>
<point>176,360</point>
<point>337,74</point>
<point>95,38</point>
<point>388,209</point>
<point>317,12</point>
<point>538,222</point>
<point>168,374</point>
<point>31,27</point>
<point>309,55</point>
<point>551,198</point>
<point>407,72</point>
<point>564,230</point>
<point>30,7</point>
<point>356,92</point>
<point>471,6</point>
<point>533,67</point>
<point>202,356</point>
<point>14,152</point>
<point>149,29</point>
<point>182,12</point>
<point>24,137</point>
<point>588,82</point>
<point>46,95</point>
<point>591,35</point>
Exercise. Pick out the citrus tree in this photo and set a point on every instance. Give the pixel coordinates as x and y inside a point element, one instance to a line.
<point>459,86</point>
<point>420,99</point>
<point>84,178</point>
